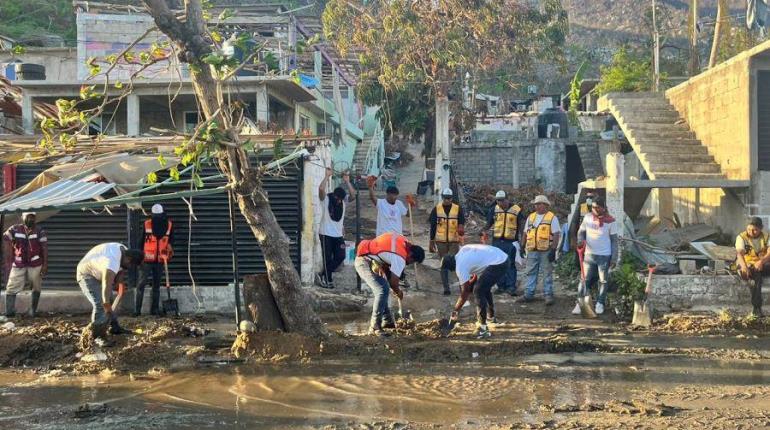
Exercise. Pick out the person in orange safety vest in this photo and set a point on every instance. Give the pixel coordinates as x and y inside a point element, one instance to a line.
<point>157,245</point>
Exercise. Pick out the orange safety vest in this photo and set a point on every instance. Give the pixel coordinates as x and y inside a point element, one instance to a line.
<point>156,250</point>
<point>388,242</point>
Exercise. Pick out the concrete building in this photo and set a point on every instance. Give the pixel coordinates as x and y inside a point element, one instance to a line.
<point>704,144</point>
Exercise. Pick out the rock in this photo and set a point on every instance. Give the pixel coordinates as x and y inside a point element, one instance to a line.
<point>91,358</point>
<point>9,326</point>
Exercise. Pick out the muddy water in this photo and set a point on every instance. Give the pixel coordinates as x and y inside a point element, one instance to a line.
<point>301,397</point>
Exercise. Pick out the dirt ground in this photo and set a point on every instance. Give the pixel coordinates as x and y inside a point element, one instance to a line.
<point>524,335</point>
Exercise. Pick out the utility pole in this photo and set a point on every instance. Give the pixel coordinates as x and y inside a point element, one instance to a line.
<point>721,6</point>
<point>656,54</point>
<point>694,66</point>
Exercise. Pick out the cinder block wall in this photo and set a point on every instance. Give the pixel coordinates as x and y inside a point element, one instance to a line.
<point>716,105</point>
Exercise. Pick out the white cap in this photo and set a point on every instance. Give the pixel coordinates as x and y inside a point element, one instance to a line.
<point>24,214</point>
<point>541,199</point>
<point>500,195</point>
<point>157,209</point>
<point>447,192</point>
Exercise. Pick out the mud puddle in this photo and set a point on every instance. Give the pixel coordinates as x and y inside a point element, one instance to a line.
<point>536,388</point>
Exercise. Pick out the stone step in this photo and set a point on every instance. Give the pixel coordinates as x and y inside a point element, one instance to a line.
<point>685,167</point>
<point>636,95</point>
<point>642,114</point>
<point>649,148</point>
<point>656,158</point>
<point>658,119</point>
<point>664,133</point>
<point>632,103</point>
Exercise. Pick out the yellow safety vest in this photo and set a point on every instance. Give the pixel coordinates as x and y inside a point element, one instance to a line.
<point>539,238</point>
<point>506,225</point>
<point>584,209</point>
<point>446,225</point>
<point>754,255</point>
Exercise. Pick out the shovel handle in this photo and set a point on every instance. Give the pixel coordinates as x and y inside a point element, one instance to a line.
<point>165,267</point>
<point>581,256</point>
<point>648,287</point>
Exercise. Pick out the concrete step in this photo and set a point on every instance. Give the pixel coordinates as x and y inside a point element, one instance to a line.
<point>663,133</point>
<point>679,175</point>
<point>649,148</point>
<point>636,95</point>
<point>643,126</point>
<point>670,142</point>
<point>685,167</point>
<point>642,103</point>
<point>643,114</point>
<point>657,119</point>
<point>656,158</point>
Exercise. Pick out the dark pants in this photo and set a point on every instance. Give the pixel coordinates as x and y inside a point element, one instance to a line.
<point>755,286</point>
<point>333,249</point>
<point>507,282</point>
<point>482,291</point>
<point>154,270</point>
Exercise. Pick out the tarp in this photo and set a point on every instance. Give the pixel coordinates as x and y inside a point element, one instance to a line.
<point>59,193</point>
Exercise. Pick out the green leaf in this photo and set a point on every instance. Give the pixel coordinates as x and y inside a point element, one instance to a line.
<point>118,85</point>
<point>216,37</point>
<point>162,160</point>
<point>226,14</point>
<point>152,178</point>
<point>213,59</point>
<point>174,173</point>
<point>144,57</point>
<point>18,50</point>
<point>197,180</point>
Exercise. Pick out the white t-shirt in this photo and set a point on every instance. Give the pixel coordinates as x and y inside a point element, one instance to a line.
<point>329,227</point>
<point>555,228</point>
<point>99,258</point>
<point>740,244</point>
<point>393,260</point>
<point>473,259</point>
<point>389,216</point>
<point>598,238</point>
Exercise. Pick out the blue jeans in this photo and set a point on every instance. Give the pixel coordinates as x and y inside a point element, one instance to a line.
<point>381,290</point>
<point>508,281</point>
<point>597,267</point>
<point>92,289</point>
<point>537,261</point>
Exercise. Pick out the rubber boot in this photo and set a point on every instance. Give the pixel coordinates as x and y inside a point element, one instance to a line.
<point>138,299</point>
<point>34,303</point>
<point>445,281</point>
<point>756,296</point>
<point>155,301</point>
<point>10,305</point>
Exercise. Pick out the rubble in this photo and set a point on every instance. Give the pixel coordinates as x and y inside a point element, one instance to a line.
<point>479,198</point>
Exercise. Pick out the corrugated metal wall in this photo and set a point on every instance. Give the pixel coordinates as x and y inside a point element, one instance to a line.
<point>73,233</point>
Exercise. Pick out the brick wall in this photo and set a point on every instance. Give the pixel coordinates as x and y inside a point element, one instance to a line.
<point>716,105</point>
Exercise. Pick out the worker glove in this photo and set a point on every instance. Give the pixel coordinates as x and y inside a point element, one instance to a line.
<point>370,181</point>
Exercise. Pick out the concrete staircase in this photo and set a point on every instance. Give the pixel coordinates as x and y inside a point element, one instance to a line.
<point>590,157</point>
<point>664,143</point>
<point>359,157</point>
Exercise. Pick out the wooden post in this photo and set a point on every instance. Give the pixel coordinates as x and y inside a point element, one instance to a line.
<point>259,297</point>
<point>443,155</point>
<point>694,65</point>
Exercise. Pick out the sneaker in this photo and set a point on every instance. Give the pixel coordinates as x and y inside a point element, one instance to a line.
<point>599,309</point>
<point>491,320</point>
<point>576,311</point>
<point>447,292</point>
<point>483,332</point>
<point>404,284</point>
<point>549,301</point>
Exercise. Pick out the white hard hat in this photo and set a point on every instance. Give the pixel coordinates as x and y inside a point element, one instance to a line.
<point>24,214</point>
<point>447,192</point>
<point>157,209</point>
<point>500,195</point>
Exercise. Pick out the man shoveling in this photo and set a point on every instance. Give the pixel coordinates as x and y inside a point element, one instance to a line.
<point>478,267</point>
<point>753,260</point>
<point>380,263</point>
<point>96,274</point>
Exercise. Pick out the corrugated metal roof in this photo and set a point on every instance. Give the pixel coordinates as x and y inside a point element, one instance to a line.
<point>59,193</point>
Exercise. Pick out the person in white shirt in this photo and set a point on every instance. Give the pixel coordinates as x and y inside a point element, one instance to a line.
<point>331,231</point>
<point>389,210</point>
<point>599,234</point>
<point>541,239</point>
<point>96,274</point>
<point>478,267</point>
<point>380,262</point>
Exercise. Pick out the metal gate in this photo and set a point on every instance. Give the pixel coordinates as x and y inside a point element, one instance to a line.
<point>763,120</point>
<point>73,232</point>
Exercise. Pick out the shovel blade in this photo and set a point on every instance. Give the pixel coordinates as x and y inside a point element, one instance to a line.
<point>171,307</point>
<point>586,307</point>
<point>642,314</point>
<point>447,326</point>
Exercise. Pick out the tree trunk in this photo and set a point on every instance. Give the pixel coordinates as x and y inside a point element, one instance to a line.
<point>259,299</point>
<point>694,65</point>
<point>717,33</point>
<point>442,144</point>
<point>193,42</point>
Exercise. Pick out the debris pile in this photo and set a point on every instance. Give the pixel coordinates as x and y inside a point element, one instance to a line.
<point>275,346</point>
<point>724,322</point>
<point>479,198</point>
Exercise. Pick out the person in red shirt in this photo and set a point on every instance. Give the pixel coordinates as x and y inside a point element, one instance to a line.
<point>25,251</point>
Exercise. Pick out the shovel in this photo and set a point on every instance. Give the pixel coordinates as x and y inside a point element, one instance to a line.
<point>170,306</point>
<point>584,299</point>
<point>410,200</point>
<point>643,308</point>
<point>403,315</point>
<point>447,325</point>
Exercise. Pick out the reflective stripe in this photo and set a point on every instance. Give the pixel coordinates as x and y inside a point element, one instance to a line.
<point>35,257</point>
<point>20,235</point>
<point>43,239</point>
<point>393,243</point>
<point>32,236</point>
